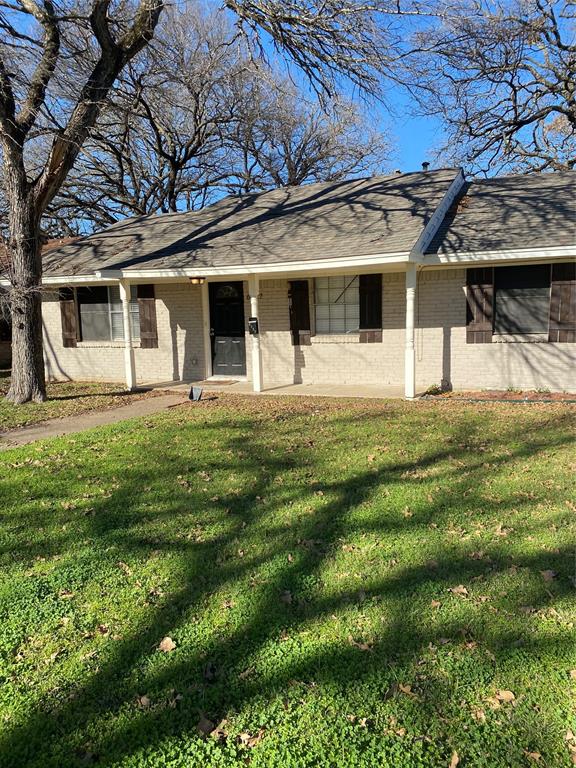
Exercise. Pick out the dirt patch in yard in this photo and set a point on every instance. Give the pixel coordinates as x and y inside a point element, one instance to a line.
<point>507,395</point>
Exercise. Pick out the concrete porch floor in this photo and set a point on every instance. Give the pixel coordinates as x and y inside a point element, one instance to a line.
<point>316,390</point>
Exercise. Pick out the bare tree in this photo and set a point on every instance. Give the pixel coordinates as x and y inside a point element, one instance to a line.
<point>47,48</point>
<point>202,120</point>
<point>502,76</point>
<point>283,139</point>
<point>37,40</point>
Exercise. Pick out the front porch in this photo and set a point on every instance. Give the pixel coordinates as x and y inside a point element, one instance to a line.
<point>276,359</point>
<point>365,391</point>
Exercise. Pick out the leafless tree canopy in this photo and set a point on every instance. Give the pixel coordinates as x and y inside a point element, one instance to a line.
<point>502,76</point>
<point>195,118</point>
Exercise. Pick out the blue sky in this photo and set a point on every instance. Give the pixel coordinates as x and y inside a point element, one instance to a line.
<point>414,140</point>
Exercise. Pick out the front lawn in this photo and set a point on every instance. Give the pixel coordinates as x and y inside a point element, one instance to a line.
<point>64,399</point>
<point>291,582</point>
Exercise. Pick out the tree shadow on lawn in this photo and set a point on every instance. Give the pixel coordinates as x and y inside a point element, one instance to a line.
<point>284,604</point>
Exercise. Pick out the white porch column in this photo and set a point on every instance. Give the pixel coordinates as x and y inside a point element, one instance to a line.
<point>410,354</point>
<point>253,289</point>
<point>129,363</point>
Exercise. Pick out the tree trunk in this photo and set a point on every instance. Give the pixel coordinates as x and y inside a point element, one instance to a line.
<point>28,380</point>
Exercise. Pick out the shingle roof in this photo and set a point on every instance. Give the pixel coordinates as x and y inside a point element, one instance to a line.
<point>329,220</point>
<point>511,212</point>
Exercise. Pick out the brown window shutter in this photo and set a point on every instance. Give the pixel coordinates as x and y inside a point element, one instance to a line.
<point>563,303</point>
<point>69,315</point>
<point>299,305</point>
<point>480,305</point>
<point>370,290</point>
<point>147,311</point>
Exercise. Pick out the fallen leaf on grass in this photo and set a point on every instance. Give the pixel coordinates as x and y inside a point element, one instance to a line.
<point>548,575</point>
<point>532,755</point>
<point>247,740</point>
<point>506,696</point>
<point>435,604</point>
<point>479,715</point>
<point>167,645</point>
<point>144,702</point>
<point>573,674</point>
<point>361,646</point>
<point>407,689</point>
<point>459,590</point>
<point>219,733</point>
<point>455,759</point>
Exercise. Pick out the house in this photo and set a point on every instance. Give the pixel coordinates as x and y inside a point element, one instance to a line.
<point>407,280</point>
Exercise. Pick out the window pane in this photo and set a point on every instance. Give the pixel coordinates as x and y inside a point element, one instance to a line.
<point>524,312</point>
<point>95,295</point>
<point>95,323</point>
<point>351,324</point>
<point>337,304</point>
<point>135,324</point>
<point>117,325</point>
<point>114,297</point>
<point>522,299</point>
<point>337,311</point>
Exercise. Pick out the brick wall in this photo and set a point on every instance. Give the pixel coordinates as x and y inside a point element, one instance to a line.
<point>180,352</point>
<point>330,359</point>
<point>442,354</point>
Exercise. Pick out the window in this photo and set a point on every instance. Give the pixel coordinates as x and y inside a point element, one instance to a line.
<point>100,313</point>
<point>337,304</point>
<point>522,299</point>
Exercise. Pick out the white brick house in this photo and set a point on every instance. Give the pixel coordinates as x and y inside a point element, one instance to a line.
<point>409,280</point>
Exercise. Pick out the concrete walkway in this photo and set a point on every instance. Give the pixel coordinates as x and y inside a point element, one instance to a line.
<point>73,424</point>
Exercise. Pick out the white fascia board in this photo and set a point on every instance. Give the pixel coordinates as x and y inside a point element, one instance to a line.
<point>429,231</point>
<point>290,267</point>
<point>516,254</point>
<point>371,262</point>
<point>93,279</point>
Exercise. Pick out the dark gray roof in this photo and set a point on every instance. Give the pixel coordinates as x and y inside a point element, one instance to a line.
<point>511,212</point>
<point>329,220</point>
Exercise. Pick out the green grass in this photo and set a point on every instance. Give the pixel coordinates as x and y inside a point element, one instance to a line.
<point>64,399</point>
<point>300,554</point>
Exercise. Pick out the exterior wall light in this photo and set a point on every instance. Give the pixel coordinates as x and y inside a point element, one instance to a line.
<point>197,280</point>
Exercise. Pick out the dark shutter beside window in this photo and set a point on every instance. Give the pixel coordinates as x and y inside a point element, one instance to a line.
<point>370,290</point>
<point>480,305</point>
<point>299,305</point>
<point>148,325</point>
<point>563,303</point>
<point>69,315</point>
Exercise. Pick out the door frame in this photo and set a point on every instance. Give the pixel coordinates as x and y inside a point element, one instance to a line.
<point>208,371</point>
